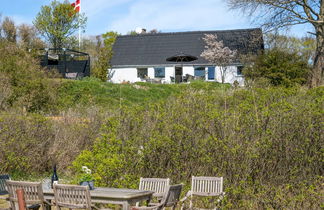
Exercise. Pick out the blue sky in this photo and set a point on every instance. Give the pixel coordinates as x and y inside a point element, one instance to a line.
<point>126,15</point>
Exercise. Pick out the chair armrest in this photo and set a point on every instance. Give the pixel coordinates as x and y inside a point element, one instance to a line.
<point>221,196</point>
<point>186,196</point>
<point>94,207</point>
<point>48,203</point>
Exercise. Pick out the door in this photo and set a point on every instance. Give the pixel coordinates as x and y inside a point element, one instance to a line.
<point>211,73</point>
<point>178,74</point>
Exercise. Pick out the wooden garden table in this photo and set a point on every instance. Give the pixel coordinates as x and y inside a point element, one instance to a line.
<point>103,195</point>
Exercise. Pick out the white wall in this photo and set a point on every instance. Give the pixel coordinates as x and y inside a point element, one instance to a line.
<point>230,75</point>
<point>188,70</point>
<point>124,75</point>
<point>130,74</point>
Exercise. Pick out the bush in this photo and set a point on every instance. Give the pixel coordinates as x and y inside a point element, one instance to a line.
<point>24,144</point>
<point>31,144</point>
<point>24,83</point>
<point>258,139</point>
<point>279,67</point>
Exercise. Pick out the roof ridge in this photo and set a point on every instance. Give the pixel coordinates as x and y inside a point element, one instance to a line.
<point>189,32</point>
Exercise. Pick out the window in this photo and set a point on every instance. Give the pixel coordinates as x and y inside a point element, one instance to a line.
<point>239,70</point>
<point>200,71</point>
<point>211,73</point>
<point>159,72</point>
<point>142,73</point>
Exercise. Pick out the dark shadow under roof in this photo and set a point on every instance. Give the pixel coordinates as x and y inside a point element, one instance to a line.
<point>153,49</point>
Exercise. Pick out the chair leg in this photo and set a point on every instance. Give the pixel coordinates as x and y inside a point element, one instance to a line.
<point>182,205</point>
<point>13,205</point>
<point>174,206</point>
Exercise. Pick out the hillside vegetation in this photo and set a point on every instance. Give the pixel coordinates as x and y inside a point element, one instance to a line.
<point>267,143</point>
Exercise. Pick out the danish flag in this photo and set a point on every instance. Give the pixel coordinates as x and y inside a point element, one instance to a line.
<point>76,5</point>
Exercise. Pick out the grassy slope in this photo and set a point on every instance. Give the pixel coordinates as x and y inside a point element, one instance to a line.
<point>90,91</point>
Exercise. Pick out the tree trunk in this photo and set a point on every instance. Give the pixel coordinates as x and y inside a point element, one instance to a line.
<point>317,73</point>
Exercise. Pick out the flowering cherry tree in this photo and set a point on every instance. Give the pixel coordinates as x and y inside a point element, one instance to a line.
<point>217,54</point>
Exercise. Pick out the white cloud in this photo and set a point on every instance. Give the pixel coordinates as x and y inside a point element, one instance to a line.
<point>92,8</point>
<point>177,15</point>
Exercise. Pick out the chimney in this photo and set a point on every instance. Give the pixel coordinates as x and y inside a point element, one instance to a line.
<point>140,30</point>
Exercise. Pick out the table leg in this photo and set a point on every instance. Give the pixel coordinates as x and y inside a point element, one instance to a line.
<point>126,205</point>
<point>148,200</point>
<point>47,206</point>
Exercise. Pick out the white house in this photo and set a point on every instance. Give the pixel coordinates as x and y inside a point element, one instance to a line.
<point>143,57</point>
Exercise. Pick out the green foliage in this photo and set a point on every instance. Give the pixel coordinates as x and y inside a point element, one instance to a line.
<point>24,142</point>
<point>93,92</point>
<point>102,64</point>
<point>266,143</point>
<point>31,143</point>
<point>109,171</point>
<point>24,84</point>
<point>58,21</point>
<point>279,68</point>
<point>85,175</point>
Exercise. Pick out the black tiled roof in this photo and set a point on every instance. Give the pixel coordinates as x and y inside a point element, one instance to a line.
<point>153,49</point>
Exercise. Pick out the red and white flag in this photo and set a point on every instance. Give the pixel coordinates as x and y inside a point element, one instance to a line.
<point>76,5</point>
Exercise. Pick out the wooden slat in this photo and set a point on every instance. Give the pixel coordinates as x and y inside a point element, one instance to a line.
<point>158,185</point>
<point>33,192</point>
<point>72,196</point>
<point>207,186</point>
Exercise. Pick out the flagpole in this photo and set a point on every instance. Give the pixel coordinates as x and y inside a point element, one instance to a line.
<point>80,27</point>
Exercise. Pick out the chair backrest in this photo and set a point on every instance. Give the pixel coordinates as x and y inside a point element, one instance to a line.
<point>158,185</point>
<point>32,190</point>
<point>72,196</point>
<point>206,186</point>
<point>173,195</point>
<point>3,178</point>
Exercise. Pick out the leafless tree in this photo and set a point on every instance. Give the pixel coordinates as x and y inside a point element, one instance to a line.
<point>154,31</point>
<point>9,29</point>
<point>217,54</point>
<point>0,26</point>
<point>275,14</point>
<point>26,34</point>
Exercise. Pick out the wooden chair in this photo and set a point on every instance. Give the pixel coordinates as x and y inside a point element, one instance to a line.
<point>72,196</point>
<point>169,199</point>
<point>34,196</point>
<point>158,185</point>
<point>3,178</point>
<point>205,186</point>
<point>3,190</point>
<point>173,196</point>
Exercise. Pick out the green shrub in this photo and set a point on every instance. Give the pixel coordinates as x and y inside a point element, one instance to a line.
<point>259,140</point>
<point>25,84</point>
<point>279,68</point>
<point>24,144</point>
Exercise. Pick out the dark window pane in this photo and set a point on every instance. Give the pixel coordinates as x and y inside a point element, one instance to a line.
<point>239,70</point>
<point>142,73</point>
<point>211,73</point>
<point>200,71</point>
<point>159,72</point>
